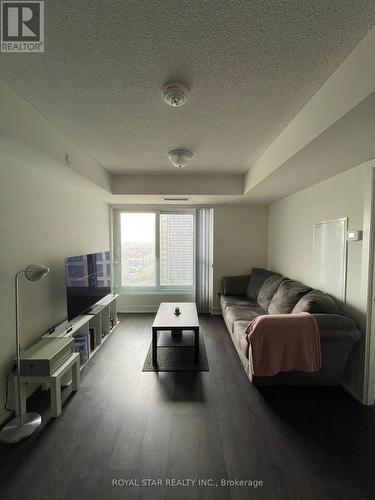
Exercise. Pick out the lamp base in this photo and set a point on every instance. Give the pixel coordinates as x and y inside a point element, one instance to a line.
<point>12,432</point>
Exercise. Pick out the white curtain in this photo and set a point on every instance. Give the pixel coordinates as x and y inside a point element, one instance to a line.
<point>202,279</point>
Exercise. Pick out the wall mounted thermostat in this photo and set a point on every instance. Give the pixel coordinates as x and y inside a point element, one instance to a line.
<point>353,235</point>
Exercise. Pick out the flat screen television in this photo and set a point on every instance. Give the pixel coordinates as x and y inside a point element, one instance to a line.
<point>88,279</point>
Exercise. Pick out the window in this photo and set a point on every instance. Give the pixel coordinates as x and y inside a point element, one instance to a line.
<point>156,250</point>
<point>176,250</point>
<point>138,259</point>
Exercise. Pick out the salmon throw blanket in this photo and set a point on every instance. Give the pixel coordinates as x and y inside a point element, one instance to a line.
<point>282,343</point>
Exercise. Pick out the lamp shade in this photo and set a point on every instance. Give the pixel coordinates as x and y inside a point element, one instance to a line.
<point>35,272</point>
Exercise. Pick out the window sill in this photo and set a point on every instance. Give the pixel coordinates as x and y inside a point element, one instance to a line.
<point>169,291</point>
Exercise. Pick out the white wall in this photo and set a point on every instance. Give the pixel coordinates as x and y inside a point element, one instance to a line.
<point>291,224</point>
<point>43,218</point>
<point>240,242</point>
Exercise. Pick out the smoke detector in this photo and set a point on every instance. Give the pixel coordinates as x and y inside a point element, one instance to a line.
<point>175,94</point>
<point>180,157</point>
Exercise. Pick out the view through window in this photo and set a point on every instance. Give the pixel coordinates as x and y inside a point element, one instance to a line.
<point>176,250</point>
<point>151,258</point>
<point>138,257</point>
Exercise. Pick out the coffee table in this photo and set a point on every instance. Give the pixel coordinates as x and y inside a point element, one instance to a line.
<point>167,320</point>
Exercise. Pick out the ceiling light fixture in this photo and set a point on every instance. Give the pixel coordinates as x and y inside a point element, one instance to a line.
<point>180,157</point>
<point>175,94</point>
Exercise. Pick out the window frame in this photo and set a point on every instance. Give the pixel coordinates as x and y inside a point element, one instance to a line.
<point>157,289</point>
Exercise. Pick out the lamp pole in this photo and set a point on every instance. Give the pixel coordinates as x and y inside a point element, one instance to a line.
<point>18,348</point>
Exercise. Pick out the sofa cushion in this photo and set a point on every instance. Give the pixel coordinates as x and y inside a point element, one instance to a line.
<point>268,290</point>
<point>233,314</point>
<point>287,296</point>
<point>316,302</point>
<point>235,285</point>
<point>235,300</point>
<point>240,338</point>
<point>258,277</point>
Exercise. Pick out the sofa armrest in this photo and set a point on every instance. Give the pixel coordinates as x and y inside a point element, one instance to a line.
<point>335,327</point>
<point>235,285</point>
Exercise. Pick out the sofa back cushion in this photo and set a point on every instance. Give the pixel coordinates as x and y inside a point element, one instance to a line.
<point>316,301</point>
<point>287,296</point>
<point>258,277</point>
<point>268,290</point>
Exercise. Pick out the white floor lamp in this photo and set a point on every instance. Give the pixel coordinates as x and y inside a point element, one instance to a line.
<point>22,426</point>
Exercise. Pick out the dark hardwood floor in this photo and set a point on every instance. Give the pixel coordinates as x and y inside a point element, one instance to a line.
<point>124,424</point>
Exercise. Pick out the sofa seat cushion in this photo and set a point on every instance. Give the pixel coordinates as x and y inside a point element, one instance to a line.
<point>316,302</point>
<point>287,296</point>
<point>235,300</point>
<point>240,337</point>
<point>257,278</point>
<point>268,290</point>
<point>233,314</point>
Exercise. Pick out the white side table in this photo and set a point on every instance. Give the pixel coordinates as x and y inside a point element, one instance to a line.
<point>54,382</point>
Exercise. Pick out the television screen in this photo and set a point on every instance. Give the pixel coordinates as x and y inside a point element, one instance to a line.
<point>88,279</point>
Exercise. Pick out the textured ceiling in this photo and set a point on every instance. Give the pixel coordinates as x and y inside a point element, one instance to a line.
<point>251,66</point>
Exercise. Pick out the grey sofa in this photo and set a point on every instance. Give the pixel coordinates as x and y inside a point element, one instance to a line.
<point>243,298</point>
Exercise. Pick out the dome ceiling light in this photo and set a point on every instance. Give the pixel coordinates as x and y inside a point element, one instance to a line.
<point>180,157</point>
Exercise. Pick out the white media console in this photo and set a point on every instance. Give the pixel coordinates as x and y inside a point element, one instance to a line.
<point>96,326</point>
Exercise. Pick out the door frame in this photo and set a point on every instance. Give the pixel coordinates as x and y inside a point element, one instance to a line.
<point>368,288</point>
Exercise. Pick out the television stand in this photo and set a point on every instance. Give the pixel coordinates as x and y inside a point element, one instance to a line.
<point>92,328</point>
<point>101,322</point>
<point>95,309</point>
